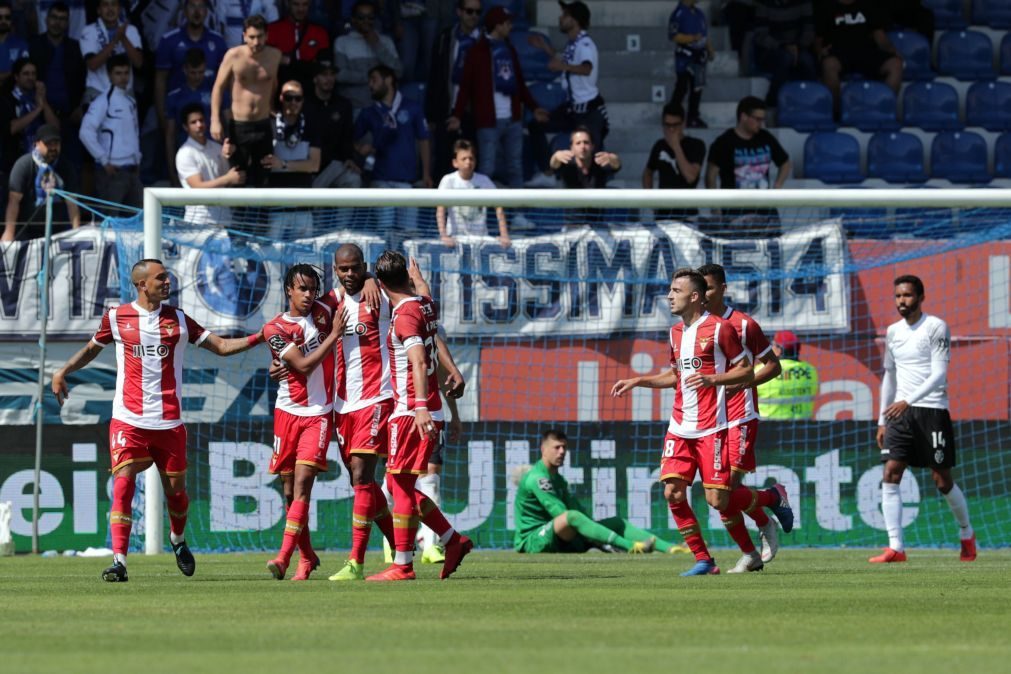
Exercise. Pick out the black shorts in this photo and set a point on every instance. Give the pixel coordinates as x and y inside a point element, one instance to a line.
<point>436,458</point>
<point>253,141</point>
<point>923,437</point>
<point>867,61</point>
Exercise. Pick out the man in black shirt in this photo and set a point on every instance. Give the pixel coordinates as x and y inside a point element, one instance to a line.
<point>31,179</point>
<point>677,158</point>
<point>580,167</point>
<point>850,38</point>
<point>332,112</point>
<point>742,158</point>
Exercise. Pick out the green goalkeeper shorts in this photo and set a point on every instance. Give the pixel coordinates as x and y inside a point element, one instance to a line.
<point>544,539</point>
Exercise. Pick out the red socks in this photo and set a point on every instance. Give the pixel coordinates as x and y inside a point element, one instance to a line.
<point>178,507</point>
<point>361,521</point>
<point>381,516</point>
<point>120,515</point>
<point>405,519</point>
<point>751,501</point>
<point>432,517</point>
<point>295,523</point>
<point>688,525</point>
<point>734,523</point>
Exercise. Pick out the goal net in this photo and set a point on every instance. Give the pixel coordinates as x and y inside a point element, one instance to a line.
<point>542,328</point>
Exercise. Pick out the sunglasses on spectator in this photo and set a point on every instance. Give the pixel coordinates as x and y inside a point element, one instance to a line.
<point>471,11</point>
<point>365,17</point>
<point>291,98</point>
<point>672,125</point>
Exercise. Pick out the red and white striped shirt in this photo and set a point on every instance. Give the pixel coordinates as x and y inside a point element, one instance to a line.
<point>300,395</point>
<point>149,371</point>
<point>708,346</point>
<point>415,322</point>
<point>743,405</point>
<point>363,356</point>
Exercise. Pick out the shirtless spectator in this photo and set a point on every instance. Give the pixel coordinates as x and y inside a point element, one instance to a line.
<point>252,71</point>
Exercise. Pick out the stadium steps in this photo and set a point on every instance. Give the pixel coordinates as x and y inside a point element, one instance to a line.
<point>616,38</point>
<point>631,13</point>
<point>634,89</point>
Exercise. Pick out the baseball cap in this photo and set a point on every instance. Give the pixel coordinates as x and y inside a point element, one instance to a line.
<point>786,340</point>
<point>495,16</point>
<point>578,11</point>
<point>47,132</point>
<point>325,61</point>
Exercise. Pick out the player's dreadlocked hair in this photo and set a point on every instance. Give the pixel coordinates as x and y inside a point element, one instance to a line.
<point>304,270</point>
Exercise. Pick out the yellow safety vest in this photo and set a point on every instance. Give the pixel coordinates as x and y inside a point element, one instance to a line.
<point>791,394</point>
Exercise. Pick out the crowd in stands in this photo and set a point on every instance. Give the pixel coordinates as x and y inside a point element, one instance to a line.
<point>103,97</point>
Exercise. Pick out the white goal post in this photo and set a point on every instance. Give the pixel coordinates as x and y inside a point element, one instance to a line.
<point>156,198</point>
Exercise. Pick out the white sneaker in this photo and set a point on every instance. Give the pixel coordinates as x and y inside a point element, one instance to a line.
<point>542,180</point>
<point>749,562</point>
<point>387,551</point>
<point>770,540</point>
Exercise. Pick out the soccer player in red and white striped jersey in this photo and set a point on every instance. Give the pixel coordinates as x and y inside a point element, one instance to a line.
<point>147,425</point>
<point>416,420</point>
<point>742,403</point>
<point>706,356</point>
<point>303,339</point>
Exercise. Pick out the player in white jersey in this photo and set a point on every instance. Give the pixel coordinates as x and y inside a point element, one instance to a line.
<point>304,339</point>
<point>914,426</point>
<point>147,425</point>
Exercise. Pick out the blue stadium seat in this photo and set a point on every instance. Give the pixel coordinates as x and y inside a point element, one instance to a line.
<point>549,95</point>
<point>988,104</point>
<point>965,54</point>
<point>805,106</point>
<point>414,91</point>
<point>832,158</point>
<point>946,12</point>
<point>960,157</point>
<point>896,157</point>
<point>931,105</point>
<point>1005,55</point>
<point>915,52</point>
<point>1002,156</point>
<point>869,106</point>
<point>993,13</point>
<point>533,61</point>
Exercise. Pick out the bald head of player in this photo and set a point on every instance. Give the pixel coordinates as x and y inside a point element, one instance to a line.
<point>687,294</point>
<point>151,279</point>
<point>349,267</point>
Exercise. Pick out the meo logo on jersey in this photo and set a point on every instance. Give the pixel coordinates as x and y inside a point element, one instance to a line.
<point>150,351</point>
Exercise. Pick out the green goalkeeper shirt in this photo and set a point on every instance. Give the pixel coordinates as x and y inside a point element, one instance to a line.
<point>540,498</point>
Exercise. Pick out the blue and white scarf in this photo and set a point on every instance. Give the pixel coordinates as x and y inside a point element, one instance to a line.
<point>46,178</point>
<point>24,103</point>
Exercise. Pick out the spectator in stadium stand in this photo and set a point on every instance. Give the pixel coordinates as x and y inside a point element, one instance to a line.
<point>416,30</point>
<point>58,60</point>
<point>196,88</point>
<point>399,138</point>
<point>739,17</point>
<point>580,68</point>
<point>448,56</point>
<point>101,40</point>
<point>910,14</point>
<point>76,16</point>
<point>496,101</point>
<point>465,220</point>
<point>333,114</point>
<point>850,39</point>
<point>12,45</point>
<point>688,29</point>
<point>295,161</point>
<point>784,37</point>
<point>580,167</point>
<point>111,134</point>
<point>791,394</point>
<point>299,42</point>
<point>32,177</point>
<point>741,158</point>
<point>356,53</point>
<point>24,109</point>
<point>677,159</point>
<point>230,15</point>
<point>174,57</point>
<point>201,164</point>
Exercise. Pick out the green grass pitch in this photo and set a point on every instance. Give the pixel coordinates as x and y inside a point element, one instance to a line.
<point>810,611</point>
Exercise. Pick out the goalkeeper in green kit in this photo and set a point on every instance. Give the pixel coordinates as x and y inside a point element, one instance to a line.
<point>550,519</point>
